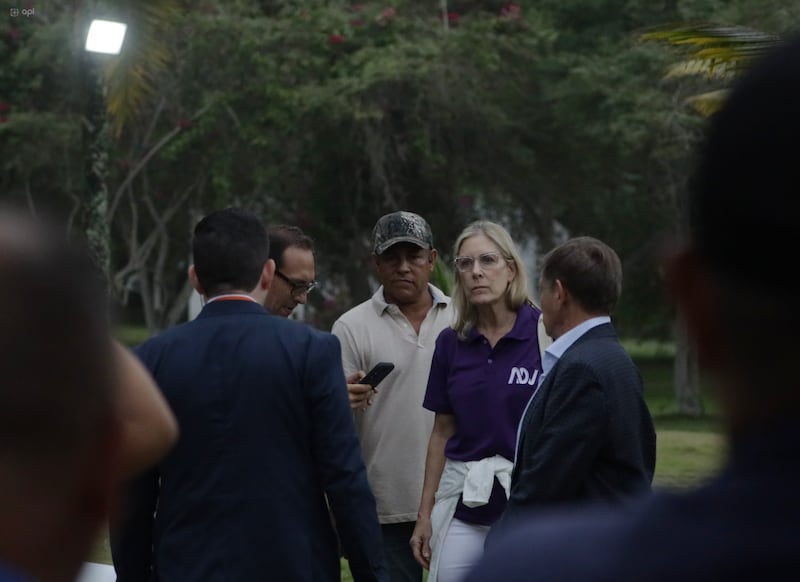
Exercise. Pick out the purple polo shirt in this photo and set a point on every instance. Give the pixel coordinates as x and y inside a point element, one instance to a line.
<point>487,390</point>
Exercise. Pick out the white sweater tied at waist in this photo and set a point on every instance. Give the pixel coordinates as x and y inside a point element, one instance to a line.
<point>472,480</point>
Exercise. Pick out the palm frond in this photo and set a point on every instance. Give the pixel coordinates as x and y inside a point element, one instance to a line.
<point>130,77</point>
<point>689,67</point>
<point>715,50</point>
<point>706,104</point>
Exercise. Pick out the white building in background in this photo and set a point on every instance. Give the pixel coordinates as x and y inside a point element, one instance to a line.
<point>195,304</point>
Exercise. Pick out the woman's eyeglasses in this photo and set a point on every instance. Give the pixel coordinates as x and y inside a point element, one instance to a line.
<point>486,261</point>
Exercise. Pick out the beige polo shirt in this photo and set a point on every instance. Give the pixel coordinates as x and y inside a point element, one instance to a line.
<point>395,429</point>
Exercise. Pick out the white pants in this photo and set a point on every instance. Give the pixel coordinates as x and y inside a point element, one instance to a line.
<point>461,548</point>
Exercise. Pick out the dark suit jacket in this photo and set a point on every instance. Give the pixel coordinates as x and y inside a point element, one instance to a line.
<point>266,432</point>
<point>587,435</point>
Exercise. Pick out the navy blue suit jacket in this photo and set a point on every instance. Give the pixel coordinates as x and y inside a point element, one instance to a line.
<point>266,433</point>
<point>743,525</point>
<point>587,435</point>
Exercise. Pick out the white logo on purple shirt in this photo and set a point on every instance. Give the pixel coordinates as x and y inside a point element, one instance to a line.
<point>522,376</point>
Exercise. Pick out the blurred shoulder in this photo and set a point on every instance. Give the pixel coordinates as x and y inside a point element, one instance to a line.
<point>582,543</point>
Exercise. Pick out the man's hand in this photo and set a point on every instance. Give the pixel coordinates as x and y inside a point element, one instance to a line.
<point>360,394</point>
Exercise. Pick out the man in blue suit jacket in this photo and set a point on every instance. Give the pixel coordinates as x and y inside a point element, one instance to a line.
<point>587,434</point>
<point>266,434</point>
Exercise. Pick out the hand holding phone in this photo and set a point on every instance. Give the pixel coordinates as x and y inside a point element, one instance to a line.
<point>376,374</point>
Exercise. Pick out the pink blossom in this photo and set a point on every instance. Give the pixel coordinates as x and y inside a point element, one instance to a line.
<point>386,16</point>
<point>512,11</point>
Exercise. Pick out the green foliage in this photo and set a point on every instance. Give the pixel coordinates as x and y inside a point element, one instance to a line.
<point>549,118</point>
<point>442,277</point>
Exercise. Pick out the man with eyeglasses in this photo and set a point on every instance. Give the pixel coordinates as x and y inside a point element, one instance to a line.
<point>293,253</point>
<point>398,324</point>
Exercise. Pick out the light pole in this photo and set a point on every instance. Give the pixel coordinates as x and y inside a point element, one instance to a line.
<point>103,37</point>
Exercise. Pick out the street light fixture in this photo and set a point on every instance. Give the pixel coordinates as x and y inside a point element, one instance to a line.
<point>105,36</point>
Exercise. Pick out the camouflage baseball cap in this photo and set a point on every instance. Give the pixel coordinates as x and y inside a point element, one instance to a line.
<point>400,227</point>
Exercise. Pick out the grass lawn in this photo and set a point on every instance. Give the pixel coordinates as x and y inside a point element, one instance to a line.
<point>688,449</point>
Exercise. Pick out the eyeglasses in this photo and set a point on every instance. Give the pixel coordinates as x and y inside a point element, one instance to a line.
<point>486,261</point>
<point>396,259</point>
<point>298,287</point>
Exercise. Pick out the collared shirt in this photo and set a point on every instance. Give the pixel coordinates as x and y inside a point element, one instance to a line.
<point>563,343</point>
<point>232,297</point>
<point>395,429</point>
<point>486,389</point>
<point>553,353</point>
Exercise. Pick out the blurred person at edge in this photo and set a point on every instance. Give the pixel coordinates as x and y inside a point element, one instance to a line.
<point>733,285</point>
<point>78,413</point>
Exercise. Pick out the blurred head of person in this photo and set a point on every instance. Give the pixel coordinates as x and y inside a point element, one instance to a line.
<point>489,272</point>
<point>293,253</point>
<point>59,433</point>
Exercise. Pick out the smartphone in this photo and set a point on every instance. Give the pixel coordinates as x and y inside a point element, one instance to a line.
<point>376,374</point>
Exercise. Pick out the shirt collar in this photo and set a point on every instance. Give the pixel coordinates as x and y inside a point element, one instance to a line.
<point>562,344</point>
<point>380,304</point>
<point>231,297</point>
<point>523,329</point>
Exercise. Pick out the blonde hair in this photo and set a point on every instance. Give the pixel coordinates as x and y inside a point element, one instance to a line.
<point>466,314</point>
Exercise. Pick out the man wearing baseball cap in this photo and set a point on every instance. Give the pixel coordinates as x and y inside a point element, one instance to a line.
<point>398,324</point>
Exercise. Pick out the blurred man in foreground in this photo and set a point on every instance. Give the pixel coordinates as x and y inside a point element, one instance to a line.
<point>734,285</point>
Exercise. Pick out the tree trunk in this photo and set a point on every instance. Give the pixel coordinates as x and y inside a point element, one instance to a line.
<point>92,215</point>
<point>686,375</point>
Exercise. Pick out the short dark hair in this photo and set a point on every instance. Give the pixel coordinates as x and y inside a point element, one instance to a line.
<point>589,269</point>
<point>283,236</point>
<point>56,390</point>
<point>229,248</point>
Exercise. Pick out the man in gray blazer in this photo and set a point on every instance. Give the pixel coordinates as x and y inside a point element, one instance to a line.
<point>587,434</point>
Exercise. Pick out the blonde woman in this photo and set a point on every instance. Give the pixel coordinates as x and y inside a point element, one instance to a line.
<point>484,371</point>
